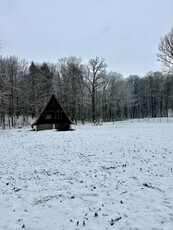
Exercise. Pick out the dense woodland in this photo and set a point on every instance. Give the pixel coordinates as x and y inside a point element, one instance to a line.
<point>87,91</point>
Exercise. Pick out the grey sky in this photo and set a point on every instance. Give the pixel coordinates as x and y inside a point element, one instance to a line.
<point>124,32</point>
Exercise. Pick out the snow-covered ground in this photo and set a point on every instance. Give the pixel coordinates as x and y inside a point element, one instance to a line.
<point>114,176</point>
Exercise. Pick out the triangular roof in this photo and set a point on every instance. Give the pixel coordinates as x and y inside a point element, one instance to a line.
<point>56,106</point>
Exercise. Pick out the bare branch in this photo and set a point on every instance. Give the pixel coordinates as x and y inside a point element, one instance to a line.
<point>166,50</point>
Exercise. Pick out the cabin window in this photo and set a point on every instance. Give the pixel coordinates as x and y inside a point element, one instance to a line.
<point>58,115</point>
<point>47,116</point>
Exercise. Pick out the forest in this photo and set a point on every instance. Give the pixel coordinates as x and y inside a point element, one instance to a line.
<point>87,91</point>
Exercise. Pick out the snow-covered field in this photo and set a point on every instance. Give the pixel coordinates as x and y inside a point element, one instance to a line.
<point>114,176</point>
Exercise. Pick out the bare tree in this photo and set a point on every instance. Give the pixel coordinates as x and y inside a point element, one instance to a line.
<point>3,93</point>
<point>95,76</point>
<point>116,94</point>
<point>23,103</point>
<point>12,66</point>
<point>70,79</point>
<point>166,50</point>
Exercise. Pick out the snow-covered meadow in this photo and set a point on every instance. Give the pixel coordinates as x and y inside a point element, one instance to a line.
<point>112,176</point>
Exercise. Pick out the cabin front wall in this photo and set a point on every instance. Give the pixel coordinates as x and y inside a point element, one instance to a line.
<point>62,126</point>
<point>58,126</point>
<point>43,127</point>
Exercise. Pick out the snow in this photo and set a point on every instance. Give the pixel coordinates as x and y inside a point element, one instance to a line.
<point>110,176</point>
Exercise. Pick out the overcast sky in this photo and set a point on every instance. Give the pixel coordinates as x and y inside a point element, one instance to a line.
<point>124,32</point>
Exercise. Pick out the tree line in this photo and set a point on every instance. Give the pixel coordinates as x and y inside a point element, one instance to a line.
<point>87,92</point>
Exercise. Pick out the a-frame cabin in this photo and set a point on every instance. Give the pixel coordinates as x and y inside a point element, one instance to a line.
<point>52,117</point>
